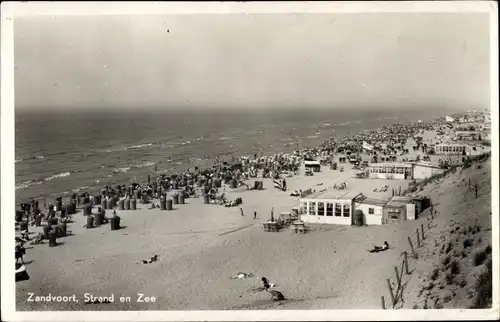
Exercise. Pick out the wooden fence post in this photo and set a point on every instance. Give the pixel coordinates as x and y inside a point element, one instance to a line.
<point>382,302</point>
<point>406,262</point>
<point>390,293</point>
<point>411,247</point>
<point>398,278</point>
<point>418,239</point>
<point>422,228</point>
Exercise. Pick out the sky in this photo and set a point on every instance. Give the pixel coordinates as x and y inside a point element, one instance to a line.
<point>258,61</point>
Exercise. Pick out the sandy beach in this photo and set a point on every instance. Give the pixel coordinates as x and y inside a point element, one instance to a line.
<point>201,246</point>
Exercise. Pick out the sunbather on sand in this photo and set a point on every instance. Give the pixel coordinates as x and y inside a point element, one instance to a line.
<point>38,239</point>
<point>241,275</point>
<point>377,249</point>
<point>266,284</point>
<point>276,295</point>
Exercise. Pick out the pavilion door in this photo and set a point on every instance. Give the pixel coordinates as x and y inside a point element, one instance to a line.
<point>408,172</point>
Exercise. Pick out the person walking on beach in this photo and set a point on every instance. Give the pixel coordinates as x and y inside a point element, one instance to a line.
<point>255,215</point>
<point>241,210</point>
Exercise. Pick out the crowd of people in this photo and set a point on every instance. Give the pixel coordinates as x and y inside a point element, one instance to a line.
<point>196,181</point>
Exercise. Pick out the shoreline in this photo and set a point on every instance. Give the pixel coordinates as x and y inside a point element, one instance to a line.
<point>176,168</point>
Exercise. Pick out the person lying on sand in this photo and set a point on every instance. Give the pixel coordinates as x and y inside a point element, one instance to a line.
<point>38,239</point>
<point>276,295</point>
<point>241,275</point>
<point>151,260</point>
<point>377,249</point>
<point>266,284</point>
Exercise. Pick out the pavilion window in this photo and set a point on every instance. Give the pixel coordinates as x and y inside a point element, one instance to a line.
<point>312,208</point>
<point>329,209</point>
<point>321,209</point>
<point>371,211</point>
<point>347,210</point>
<point>338,210</point>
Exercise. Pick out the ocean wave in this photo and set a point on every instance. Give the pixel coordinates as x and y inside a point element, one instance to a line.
<point>37,157</point>
<point>145,164</point>
<point>139,146</point>
<point>80,188</point>
<point>312,136</point>
<point>59,175</point>
<point>226,138</point>
<point>125,169</point>
<point>28,184</point>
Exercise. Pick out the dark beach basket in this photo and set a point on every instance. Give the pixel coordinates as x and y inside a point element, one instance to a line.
<point>133,204</point>
<point>98,218</point>
<point>21,274</point>
<point>90,221</point>
<point>121,204</point>
<point>87,209</point>
<point>115,223</point>
<point>46,231</point>
<point>63,230</point>
<point>169,204</point>
<point>53,238</point>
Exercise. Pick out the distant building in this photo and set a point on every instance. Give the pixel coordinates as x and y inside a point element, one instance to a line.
<point>450,149</point>
<point>467,136</point>
<point>313,165</point>
<point>397,210</point>
<point>423,170</point>
<point>372,208</point>
<point>456,149</point>
<point>329,207</point>
<point>390,170</point>
<point>338,208</point>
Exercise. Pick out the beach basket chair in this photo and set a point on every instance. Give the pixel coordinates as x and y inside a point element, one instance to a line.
<point>302,229</point>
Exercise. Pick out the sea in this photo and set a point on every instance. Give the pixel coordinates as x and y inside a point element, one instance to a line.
<point>58,153</point>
